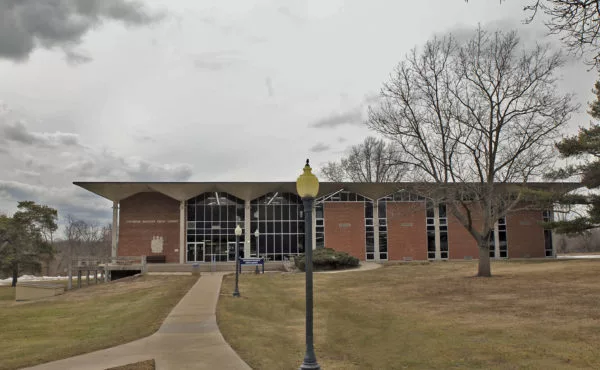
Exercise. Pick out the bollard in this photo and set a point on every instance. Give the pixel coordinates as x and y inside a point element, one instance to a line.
<point>196,269</point>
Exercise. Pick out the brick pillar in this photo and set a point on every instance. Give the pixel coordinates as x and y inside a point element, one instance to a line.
<point>182,237</point>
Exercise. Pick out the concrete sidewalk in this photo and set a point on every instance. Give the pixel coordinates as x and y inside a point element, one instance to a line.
<point>188,338</point>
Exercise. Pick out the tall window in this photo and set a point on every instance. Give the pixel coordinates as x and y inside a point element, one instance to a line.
<point>430,231</point>
<point>498,241</point>
<point>320,226</point>
<point>211,221</point>
<point>279,219</point>
<point>548,245</point>
<point>443,222</point>
<point>383,235</point>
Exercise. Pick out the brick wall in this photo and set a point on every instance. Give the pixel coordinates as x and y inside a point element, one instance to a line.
<point>345,227</point>
<point>143,216</point>
<point>407,233</point>
<point>460,242</point>
<point>524,234</point>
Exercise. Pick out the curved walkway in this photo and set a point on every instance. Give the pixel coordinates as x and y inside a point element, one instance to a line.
<point>189,338</point>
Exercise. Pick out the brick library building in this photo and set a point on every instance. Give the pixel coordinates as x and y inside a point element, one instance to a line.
<point>188,222</point>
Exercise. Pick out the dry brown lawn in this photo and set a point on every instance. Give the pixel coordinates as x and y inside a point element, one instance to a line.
<point>530,315</point>
<point>85,320</point>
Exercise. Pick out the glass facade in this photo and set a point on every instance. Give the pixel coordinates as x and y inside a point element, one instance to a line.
<point>498,241</point>
<point>211,221</point>
<point>548,245</point>
<point>277,226</point>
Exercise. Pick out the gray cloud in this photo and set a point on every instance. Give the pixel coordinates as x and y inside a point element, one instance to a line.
<point>354,117</point>
<point>216,60</point>
<point>341,139</point>
<point>319,147</point>
<point>17,132</point>
<point>28,24</point>
<point>69,200</point>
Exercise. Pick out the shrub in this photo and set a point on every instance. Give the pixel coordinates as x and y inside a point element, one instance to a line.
<point>327,259</point>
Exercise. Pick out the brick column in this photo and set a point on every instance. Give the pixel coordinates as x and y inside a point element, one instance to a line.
<point>182,237</point>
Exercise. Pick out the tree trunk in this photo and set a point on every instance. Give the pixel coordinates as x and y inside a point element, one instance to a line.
<point>15,275</point>
<point>484,268</point>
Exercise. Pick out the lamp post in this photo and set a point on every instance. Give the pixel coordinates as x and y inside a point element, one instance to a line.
<point>238,232</point>
<point>307,187</point>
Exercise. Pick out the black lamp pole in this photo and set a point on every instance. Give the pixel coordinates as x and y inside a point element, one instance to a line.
<point>310,360</point>
<point>236,291</point>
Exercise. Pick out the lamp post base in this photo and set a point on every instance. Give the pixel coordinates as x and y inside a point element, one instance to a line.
<point>312,366</point>
<point>236,294</point>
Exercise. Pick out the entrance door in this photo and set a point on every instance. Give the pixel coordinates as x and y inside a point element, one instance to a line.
<point>195,252</point>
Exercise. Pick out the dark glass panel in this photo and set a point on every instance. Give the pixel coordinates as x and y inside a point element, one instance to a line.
<point>278,227</point>
<point>270,245</point>
<point>442,208</point>
<point>368,210</point>
<point>262,245</point>
<point>431,241</point>
<point>190,253</point>
<point>270,227</point>
<point>382,210</point>
<point>277,213</point>
<point>300,244</point>
<point>285,227</point>
<point>319,211</point>
<point>271,212</point>
<point>443,241</point>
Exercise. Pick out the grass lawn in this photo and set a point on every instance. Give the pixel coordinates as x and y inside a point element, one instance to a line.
<point>542,315</point>
<point>85,320</point>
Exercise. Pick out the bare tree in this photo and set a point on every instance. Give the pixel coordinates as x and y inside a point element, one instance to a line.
<point>82,238</point>
<point>374,160</point>
<point>576,22</point>
<point>475,116</point>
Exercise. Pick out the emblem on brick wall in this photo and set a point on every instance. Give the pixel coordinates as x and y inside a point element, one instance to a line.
<point>157,244</point>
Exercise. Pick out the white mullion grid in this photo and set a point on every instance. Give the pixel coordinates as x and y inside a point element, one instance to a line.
<point>436,223</point>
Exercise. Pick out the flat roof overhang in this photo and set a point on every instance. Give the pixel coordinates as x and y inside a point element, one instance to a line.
<point>117,191</point>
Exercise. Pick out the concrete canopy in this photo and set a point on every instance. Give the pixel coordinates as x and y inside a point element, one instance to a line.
<point>117,191</point>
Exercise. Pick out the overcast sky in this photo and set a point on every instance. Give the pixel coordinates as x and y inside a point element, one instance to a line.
<point>195,90</point>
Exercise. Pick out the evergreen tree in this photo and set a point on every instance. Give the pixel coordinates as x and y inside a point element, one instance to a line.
<point>26,238</point>
<point>584,146</point>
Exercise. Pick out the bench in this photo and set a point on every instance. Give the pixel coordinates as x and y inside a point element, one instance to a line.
<point>156,259</point>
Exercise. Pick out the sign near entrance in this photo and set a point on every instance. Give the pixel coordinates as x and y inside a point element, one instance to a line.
<point>253,261</point>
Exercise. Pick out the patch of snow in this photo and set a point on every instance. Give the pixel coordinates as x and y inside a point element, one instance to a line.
<point>8,281</point>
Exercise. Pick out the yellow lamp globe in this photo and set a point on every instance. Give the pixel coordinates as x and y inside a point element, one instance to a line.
<point>307,184</point>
